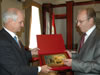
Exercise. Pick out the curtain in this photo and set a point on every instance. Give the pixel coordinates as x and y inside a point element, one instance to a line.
<point>27,25</point>
<point>27,6</point>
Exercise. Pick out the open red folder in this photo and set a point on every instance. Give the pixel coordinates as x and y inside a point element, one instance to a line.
<point>52,51</point>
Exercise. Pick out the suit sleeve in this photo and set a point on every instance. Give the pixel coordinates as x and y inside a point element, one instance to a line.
<point>28,54</point>
<point>92,66</point>
<point>74,55</point>
<point>10,64</point>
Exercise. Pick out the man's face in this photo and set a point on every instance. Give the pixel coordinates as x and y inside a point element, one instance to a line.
<point>82,21</point>
<point>18,24</point>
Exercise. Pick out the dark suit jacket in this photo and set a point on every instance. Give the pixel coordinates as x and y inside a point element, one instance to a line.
<point>87,62</point>
<point>13,59</point>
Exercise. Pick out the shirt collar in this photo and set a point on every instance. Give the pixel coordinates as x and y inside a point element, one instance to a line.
<point>11,33</point>
<point>90,30</point>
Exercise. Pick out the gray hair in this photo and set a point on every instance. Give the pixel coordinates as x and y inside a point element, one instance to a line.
<point>9,15</point>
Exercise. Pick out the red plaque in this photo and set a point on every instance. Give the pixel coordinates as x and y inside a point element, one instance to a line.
<point>52,51</point>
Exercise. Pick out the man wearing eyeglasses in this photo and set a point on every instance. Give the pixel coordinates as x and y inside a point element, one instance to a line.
<point>86,61</point>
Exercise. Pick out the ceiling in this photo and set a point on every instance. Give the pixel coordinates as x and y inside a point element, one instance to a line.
<point>58,1</point>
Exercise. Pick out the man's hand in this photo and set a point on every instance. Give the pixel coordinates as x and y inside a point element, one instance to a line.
<point>68,62</point>
<point>69,53</point>
<point>45,69</point>
<point>34,51</point>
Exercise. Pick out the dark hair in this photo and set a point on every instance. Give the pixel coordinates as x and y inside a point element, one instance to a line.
<point>91,13</point>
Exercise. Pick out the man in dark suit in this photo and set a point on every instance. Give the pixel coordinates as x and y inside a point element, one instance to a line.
<point>86,61</point>
<point>14,59</point>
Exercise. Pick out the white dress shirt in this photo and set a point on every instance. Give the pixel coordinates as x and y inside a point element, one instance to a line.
<point>89,32</point>
<point>11,33</point>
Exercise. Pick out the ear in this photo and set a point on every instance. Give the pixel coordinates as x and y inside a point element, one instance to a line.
<point>10,21</point>
<point>91,20</point>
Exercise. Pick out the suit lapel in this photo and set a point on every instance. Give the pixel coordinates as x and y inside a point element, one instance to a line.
<point>10,38</point>
<point>14,44</point>
<point>88,42</point>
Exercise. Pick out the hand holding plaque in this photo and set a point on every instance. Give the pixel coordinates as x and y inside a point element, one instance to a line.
<point>54,60</point>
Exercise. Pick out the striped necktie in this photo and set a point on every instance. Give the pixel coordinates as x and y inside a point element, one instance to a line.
<point>15,38</point>
<point>82,41</point>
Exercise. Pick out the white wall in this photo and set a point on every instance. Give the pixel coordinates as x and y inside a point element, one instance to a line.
<point>10,3</point>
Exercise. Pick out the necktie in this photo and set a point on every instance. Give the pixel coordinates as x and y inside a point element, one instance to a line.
<point>82,41</point>
<point>15,38</point>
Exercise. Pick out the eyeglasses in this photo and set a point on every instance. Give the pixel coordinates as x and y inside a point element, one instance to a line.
<point>81,21</point>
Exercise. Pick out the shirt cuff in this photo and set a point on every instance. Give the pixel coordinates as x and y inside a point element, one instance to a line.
<point>39,69</point>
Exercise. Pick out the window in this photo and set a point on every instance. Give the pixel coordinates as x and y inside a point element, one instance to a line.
<point>35,28</point>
